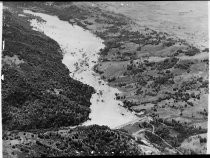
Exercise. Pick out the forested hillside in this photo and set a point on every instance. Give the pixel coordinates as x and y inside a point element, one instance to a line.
<point>82,141</point>
<point>37,91</point>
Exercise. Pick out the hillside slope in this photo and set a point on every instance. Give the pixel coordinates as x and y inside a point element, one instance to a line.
<point>37,91</point>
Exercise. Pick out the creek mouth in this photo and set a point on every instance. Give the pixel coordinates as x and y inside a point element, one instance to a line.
<point>81,48</point>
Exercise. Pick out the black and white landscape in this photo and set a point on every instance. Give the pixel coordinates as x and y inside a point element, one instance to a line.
<point>104,78</point>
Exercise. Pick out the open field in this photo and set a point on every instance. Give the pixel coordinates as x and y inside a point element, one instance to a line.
<point>186,20</point>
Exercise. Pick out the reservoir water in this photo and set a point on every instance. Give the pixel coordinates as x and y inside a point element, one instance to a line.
<point>80,53</point>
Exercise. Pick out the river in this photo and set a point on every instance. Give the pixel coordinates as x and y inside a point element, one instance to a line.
<point>81,48</point>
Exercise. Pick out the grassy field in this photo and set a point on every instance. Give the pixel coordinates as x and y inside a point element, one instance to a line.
<point>183,19</point>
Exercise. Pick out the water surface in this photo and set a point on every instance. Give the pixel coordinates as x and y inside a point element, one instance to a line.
<point>81,49</point>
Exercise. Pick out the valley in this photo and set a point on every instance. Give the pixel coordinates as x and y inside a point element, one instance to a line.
<point>140,90</point>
